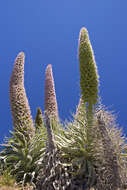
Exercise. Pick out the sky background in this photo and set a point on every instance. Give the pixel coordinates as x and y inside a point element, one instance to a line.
<point>47,31</point>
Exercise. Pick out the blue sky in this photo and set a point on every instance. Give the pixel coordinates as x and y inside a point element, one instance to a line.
<point>47,31</point>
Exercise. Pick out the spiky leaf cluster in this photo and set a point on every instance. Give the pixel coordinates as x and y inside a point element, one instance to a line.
<point>22,155</point>
<point>101,165</point>
<point>73,143</point>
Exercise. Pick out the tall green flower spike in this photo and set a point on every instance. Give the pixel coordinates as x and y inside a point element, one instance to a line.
<point>20,109</point>
<point>88,70</point>
<point>39,119</point>
<point>51,109</point>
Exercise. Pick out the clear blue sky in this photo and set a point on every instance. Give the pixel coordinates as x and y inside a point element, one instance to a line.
<point>47,31</point>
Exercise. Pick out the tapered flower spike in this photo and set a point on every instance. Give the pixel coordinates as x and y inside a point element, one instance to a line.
<point>39,119</point>
<point>20,109</point>
<point>110,162</point>
<point>51,109</point>
<point>88,70</point>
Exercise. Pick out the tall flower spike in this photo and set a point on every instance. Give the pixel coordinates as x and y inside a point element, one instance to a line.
<point>39,119</point>
<point>88,70</point>
<point>51,109</point>
<point>109,177</point>
<point>20,109</point>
